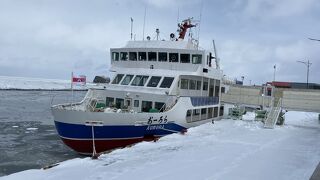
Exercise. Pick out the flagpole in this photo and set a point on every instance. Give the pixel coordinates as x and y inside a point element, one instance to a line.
<point>71,89</point>
<point>131,27</point>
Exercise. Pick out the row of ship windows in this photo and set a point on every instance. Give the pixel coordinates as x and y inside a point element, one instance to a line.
<point>146,106</point>
<point>140,80</point>
<point>157,56</point>
<point>196,85</point>
<point>194,115</point>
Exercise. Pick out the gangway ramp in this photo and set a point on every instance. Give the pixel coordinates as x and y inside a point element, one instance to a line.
<point>292,99</point>
<point>273,116</point>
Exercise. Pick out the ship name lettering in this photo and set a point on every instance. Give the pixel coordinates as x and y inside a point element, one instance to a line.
<point>162,119</point>
<point>155,127</point>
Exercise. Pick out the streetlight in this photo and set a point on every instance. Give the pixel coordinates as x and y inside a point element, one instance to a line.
<point>242,77</point>
<point>274,72</point>
<point>313,39</point>
<point>308,64</point>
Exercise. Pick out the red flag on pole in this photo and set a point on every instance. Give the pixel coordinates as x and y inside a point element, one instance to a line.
<point>79,80</point>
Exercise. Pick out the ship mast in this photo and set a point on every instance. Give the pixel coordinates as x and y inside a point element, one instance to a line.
<point>183,27</point>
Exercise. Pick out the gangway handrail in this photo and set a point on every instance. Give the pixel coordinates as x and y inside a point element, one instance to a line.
<point>273,115</point>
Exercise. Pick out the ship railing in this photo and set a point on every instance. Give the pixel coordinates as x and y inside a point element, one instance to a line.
<point>67,106</point>
<point>88,103</point>
<point>92,104</point>
<point>171,101</point>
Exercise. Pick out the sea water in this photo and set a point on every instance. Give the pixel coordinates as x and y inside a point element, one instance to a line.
<point>28,138</point>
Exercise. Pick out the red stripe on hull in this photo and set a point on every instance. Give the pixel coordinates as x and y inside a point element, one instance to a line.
<point>85,146</point>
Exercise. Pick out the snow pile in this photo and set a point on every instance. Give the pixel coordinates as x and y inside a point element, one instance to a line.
<point>305,119</point>
<point>7,82</point>
<point>225,150</point>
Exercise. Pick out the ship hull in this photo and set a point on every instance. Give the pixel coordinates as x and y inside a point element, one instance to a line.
<point>80,130</point>
<point>82,138</point>
<point>86,146</point>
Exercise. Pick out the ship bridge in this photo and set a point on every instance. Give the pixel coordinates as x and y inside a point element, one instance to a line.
<point>167,55</point>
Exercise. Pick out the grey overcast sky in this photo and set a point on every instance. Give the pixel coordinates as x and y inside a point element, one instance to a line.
<point>51,38</point>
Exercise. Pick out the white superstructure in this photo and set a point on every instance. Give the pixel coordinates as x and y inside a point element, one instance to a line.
<point>159,87</point>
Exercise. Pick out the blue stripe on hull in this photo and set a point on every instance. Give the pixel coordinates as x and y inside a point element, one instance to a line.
<point>77,131</point>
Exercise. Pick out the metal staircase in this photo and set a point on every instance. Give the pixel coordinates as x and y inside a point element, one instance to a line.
<point>273,115</point>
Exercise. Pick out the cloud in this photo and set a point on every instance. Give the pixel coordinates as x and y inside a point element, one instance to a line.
<point>175,4</point>
<point>244,58</point>
<point>278,8</point>
<point>255,61</point>
<point>50,39</point>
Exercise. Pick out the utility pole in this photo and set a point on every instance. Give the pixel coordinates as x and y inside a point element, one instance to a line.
<point>308,64</point>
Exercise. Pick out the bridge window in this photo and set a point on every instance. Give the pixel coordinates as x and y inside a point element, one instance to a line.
<point>196,115</point>
<point>215,112</point>
<point>142,56</point>
<point>117,79</point>
<point>119,103</point>
<point>167,81</point>
<point>139,80</point>
<point>123,56</point>
<point>212,82</point>
<point>146,106</point>
<point>188,116</point>
<point>109,101</point>
<point>205,86</point>
<point>154,81</point>
<point>163,56</point>
<point>192,84</point>
<point>198,85</point>
<point>136,103</point>
<point>204,113</point>
<point>152,56</point>
<point>223,89</point>
<point>210,113</point>
<point>184,83</point>
<point>160,106</point>
<point>133,56</point>
<point>218,82</point>
<point>196,58</point>
<point>127,79</point>
<point>221,110</point>
<point>217,87</point>
<point>185,58</point>
<point>115,56</point>
<point>173,57</point>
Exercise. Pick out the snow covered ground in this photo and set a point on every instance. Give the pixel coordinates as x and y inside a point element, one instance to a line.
<point>228,149</point>
<point>8,82</point>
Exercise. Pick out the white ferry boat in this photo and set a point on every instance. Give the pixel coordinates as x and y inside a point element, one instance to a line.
<point>160,87</point>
